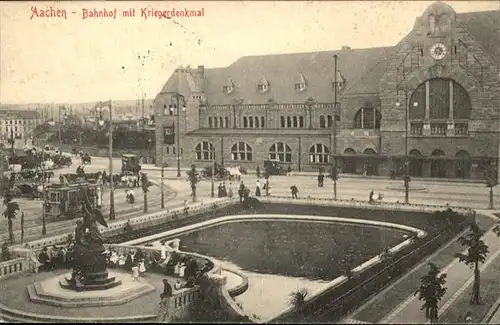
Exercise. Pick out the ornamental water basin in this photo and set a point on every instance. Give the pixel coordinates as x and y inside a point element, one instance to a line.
<point>281,253</point>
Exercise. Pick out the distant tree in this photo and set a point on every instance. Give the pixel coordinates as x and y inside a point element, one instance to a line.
<point>431,291</point>
<point>193,180</point>
<point>145,184</point>
<point>477,251</point>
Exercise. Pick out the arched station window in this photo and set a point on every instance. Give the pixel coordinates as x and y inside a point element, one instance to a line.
<point>280,151</point>
<point>367,118</point>
<point>241,151</point>
<point>319,154</point>
<point>205,151</point>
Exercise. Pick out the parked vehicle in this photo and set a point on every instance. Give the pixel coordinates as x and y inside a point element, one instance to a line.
<point>274,167</point>
<point>130,163</point>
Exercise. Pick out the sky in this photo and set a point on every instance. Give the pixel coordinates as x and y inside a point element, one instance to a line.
<point>73,60</point>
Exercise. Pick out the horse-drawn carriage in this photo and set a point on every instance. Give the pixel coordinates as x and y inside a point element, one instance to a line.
<point>130,163</point>
<point>86,159</point>
<point>62,160</point>
<point>221,173</point>
<point>274,167</point>
<point>28,182</point>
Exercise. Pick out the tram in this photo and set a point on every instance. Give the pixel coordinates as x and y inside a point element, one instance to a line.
<point>63,200</point>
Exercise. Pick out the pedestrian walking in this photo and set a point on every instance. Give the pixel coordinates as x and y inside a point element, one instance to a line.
<point>294,191</point>
<point>257,189</point>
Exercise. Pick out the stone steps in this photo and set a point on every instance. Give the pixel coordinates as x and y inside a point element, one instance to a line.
<point>38,295</point>
<point>17,316</point>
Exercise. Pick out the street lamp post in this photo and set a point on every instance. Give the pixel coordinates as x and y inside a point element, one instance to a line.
<point>162,166</point>
<point>406,176</point>
<point>112,215</point>
<point>178,136</point>
<point>334,130</point>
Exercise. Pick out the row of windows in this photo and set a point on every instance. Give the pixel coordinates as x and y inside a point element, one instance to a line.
<point>254,122</point>
<point>366,118</point>
<point>218,122</point>
<point>242,151</point>
<point>292,121</point>
<point>19,122</point>
<point>171,150</point>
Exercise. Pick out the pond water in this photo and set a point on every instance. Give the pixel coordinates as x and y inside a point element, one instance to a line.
<point>282,256</point>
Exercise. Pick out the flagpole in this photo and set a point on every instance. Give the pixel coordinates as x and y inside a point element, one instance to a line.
<point>111,190</point>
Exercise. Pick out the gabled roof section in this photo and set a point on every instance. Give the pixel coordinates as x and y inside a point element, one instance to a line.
<point>484,26</point>
<point>282,71</point>
<point>263,81</point>
<point>178,83</point>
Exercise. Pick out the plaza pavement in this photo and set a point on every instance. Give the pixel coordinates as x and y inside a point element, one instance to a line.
<point>474,195</point>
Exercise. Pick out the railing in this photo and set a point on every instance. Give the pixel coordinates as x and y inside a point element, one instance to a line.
<point>178,306</point>
<point>366,205</point>
<point>139,222</point>
<point>416,128</point>
<point>461,129</point>
<point>13,267</point>
<point>439,128</point>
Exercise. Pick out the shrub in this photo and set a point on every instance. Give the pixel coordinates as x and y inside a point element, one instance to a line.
<point>5,252</point>
<point>298,298</point>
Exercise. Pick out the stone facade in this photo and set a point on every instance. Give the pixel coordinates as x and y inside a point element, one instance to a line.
<point>374,131</point>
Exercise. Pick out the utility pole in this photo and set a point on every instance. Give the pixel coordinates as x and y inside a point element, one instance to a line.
<point>334,130</point>
<point>407,161</point>
<point>59,123</point>
<point>177,133</point>
<point>111,190</point>
<point>44,193</point>
<point>142,111</point>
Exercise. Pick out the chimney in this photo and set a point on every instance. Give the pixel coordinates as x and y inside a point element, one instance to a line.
<point>346,48</point>
<point>201,71</point>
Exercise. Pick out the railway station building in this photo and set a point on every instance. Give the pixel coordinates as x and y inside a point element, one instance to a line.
<point>433,97</point>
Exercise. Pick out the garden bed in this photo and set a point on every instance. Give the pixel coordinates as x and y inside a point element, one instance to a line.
<point>376,309</point>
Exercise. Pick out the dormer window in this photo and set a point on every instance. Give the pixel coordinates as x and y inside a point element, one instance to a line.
<point>263,85</point>
<point>301,84</point>
<point>262,88</point>
<point>341,81</point>
<point>229,87</point>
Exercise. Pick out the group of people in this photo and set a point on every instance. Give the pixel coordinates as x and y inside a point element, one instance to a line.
<point>53,258</point>
<point>128,260</point>
<point>223,191</point>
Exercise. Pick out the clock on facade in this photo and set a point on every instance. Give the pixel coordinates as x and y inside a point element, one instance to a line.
<point>438,51</point>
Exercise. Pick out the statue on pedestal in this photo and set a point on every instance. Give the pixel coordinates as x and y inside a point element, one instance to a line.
<point>89,262</point>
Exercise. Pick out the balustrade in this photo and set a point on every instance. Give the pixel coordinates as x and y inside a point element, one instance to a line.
<point>461,128</point>
<point>416,128</point>
<point>439,128</point>
<point>12,267</point>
